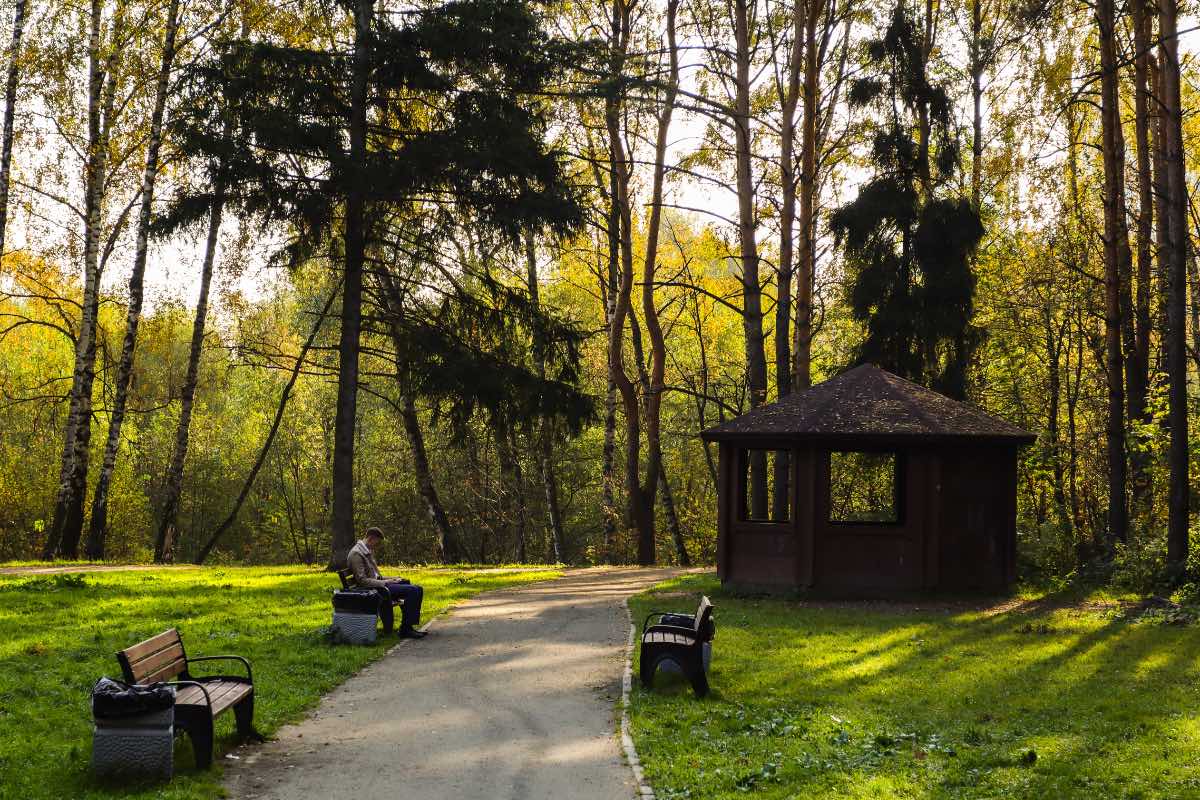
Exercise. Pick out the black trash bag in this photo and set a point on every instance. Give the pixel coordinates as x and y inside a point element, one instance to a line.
<point>356,601</point>
<point>117,700</point>
<point>689,621</point>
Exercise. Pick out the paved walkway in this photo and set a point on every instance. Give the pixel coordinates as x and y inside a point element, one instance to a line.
<point>512,695</point>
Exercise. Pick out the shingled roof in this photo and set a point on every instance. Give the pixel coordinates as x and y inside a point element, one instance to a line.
<point>868,402</point>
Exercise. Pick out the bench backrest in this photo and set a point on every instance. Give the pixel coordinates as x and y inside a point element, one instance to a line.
<point>159,658</point>
<point>347,577</point>
<point>703,613</point>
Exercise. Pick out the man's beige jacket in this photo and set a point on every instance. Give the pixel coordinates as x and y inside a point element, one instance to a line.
<point>362,564</point>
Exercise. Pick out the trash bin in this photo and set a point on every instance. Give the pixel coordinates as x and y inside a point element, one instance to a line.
<point>355,616</point>
<point>134,730</point>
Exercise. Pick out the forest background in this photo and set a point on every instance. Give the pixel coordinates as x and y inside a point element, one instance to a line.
<point>992,197</point>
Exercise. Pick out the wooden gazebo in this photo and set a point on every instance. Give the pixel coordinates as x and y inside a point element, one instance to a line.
<point>885,487</point>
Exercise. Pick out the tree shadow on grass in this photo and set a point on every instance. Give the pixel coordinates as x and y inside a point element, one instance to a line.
<point>1096,700</point>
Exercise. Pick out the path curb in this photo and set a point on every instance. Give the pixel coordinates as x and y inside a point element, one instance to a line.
<point>639,777</point>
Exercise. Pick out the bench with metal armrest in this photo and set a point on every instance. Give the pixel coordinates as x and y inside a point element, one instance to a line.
<point>672,638</point>
<point>199,700</point>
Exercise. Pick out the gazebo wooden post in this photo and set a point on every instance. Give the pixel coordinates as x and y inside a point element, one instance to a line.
<point>727,489</point>
<point>803,501</point>
<point>933,506</point>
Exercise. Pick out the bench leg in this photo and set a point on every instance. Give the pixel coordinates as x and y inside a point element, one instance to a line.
<point>243,712</point>
<point>695,674</point>
<point>200,731</point>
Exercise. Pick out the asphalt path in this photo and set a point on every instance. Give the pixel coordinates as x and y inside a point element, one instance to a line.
<point>512,695</point>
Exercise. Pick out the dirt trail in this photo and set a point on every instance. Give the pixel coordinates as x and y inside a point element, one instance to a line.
<point>513,695</point>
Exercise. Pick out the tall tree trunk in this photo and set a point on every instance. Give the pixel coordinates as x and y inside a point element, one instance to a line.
<point>1194,307</point>
<point>10,107</point>
<point>167,535</point>
<point>248,484</point>
<point>641,511</point>
<point>752,314</point>
<point>173,491</point>
<point>99,519</point>
<point>348,345</point>
<point>668,503</point>
<point>510,463</point>
<point>975,49</point>
<point>450,549</point>
<point>1144,102</point>
<point>656,385</point>
<point>806,262</point>
<point>787,220</point>
<point>1054,350</point>
<point>544,430</point>
<point>1177,254</point>
<point>1162,234</point>
<point>1116,256</point>
<point>66,527</point>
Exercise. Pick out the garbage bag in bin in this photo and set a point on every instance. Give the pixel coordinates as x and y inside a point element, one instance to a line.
<point>117,700</point>
<point>358,601</point>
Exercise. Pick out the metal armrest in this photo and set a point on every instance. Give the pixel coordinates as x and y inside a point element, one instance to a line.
<point>245,663</point>
<point>651,616</point>
<point>654,614</point>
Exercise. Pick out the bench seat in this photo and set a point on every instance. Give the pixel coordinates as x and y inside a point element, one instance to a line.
<point>663,637</point>
<point>222,695</point>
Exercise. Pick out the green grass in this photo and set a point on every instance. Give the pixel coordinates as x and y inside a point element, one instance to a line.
<point>1024,700</point>
<point>58,634</point>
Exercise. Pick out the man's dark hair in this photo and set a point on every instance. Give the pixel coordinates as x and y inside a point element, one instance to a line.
<point>373,531</point>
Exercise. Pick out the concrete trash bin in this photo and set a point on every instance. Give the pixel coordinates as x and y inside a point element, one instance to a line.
<point>354,628</point>
<point>138,745</point>
<point>355,615</point>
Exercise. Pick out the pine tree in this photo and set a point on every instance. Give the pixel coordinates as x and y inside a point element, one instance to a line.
<point>908,237</point>
<point>430,109</point>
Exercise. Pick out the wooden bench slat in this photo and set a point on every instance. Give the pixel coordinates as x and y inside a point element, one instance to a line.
<point>232,693</point>
<point>222,695</point>
<point>656,637</point>
<point>172,655</point>
<point>189,696</point>
<point>151,645</point>
<point>163,673</point>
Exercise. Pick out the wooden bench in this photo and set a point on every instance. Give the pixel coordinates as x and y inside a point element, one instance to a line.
<point>682,644</point>
<point>199,700</point>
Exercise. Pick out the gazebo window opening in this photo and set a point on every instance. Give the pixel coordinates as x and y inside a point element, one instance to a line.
<point>759,502</point>
<point>864,487</point>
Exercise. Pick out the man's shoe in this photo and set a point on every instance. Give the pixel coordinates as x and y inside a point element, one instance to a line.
<point>411,633</point>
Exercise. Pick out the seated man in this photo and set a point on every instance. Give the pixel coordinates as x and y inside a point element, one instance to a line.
<point>361,560</point>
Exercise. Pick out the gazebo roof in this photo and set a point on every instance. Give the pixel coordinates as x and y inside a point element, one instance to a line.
<point>865,403</point>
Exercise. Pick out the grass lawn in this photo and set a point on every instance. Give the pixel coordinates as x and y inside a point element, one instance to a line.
<point>842,700</point>
<point>58,634</point>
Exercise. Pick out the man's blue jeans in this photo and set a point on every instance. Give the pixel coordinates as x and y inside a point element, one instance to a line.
<point>412,595</point>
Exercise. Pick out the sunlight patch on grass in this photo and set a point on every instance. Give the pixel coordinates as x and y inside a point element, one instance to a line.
<point>1038,699</point>
<point>59,633</point>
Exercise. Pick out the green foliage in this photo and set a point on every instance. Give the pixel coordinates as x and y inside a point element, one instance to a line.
<point>276,617</point>
<point>908,238</point>
<point>1030,698</point>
